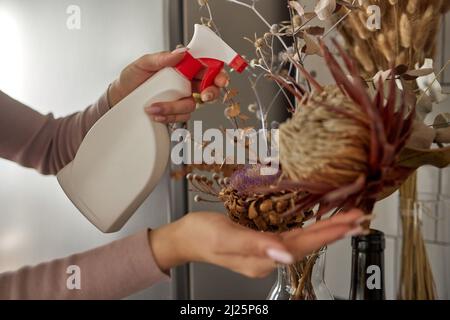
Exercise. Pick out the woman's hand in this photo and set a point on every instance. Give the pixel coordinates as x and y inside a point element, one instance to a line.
<point>214,238</point>
<point>145,67</point>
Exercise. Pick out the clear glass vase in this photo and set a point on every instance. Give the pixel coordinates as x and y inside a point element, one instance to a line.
<point>304,280</point>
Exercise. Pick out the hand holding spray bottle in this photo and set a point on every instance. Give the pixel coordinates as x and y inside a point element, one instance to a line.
<point>124,155</point>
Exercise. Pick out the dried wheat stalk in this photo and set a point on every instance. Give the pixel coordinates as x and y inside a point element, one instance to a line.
<point>407,36</point>
<point>416,276</point>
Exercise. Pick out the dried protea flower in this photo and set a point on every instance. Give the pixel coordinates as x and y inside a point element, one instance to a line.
<point>330,147</point>
<point>342,146</point>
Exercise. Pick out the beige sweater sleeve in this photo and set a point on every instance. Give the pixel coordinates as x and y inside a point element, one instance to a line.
<point>109,272</point>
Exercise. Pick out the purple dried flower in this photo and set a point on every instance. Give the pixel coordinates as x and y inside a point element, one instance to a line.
<point>245,181</point>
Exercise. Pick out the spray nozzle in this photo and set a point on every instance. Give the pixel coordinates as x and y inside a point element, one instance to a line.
<point>207,49</point>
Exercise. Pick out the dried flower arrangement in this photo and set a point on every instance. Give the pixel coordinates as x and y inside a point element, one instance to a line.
<point>407,40</point>
<point>347,145</point>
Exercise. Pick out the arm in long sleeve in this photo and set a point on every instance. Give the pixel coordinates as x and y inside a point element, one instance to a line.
<point>40,141</point>
<point>48,144</point>
<point>113,271</point>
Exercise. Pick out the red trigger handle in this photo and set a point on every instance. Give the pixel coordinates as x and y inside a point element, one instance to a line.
<point>213,68</point>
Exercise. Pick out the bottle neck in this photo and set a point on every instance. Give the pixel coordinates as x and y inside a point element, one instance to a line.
<point>367,281</point>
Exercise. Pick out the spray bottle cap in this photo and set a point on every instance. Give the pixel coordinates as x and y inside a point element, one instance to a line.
<point>207,49</point>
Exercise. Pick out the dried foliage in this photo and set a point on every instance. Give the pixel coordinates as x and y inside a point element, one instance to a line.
<point>416,276</point>
<point>348,144</point>
<point>407,36</point>
<point>407,39</point>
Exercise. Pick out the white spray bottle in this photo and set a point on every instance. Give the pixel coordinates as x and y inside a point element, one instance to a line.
<point>124,155</point>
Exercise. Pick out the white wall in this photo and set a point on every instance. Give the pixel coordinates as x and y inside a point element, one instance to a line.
<point>54,69</point>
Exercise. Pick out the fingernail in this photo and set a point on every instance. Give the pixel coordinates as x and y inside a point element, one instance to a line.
<point>180,50</point>
<point>365,218</point>
<point>159,119</point>
<point>227,83</point>
<point>154,110</point>
<point>280,256</point>
<point>358,231</point>
<point>207,97</point>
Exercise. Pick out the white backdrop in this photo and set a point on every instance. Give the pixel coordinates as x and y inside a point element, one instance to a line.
<point>54,69</point>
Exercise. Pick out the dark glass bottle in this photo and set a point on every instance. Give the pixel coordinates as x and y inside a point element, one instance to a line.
<point>367,282</point>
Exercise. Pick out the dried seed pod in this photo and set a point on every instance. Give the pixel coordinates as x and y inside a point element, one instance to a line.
<point>233,111</point>
<point>412,6</point>
<point>281,206</point>
<point>297,21</point>
<point>364,58</point>
<point>259,43</point>
<point>385,47</point>
<point>241,209</point>
<point>261,224</point>
<point>274,218</point>
<point>252,212</point>
<point>275,28</point>
<point>252,108</point>
<point>266,206</point>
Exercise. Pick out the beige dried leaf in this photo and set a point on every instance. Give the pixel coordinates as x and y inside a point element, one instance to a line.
<point>311,46</point>
<point>314,31</point>
<point>424,106</point>
<point>202,3</point>
<point>325,9</point>
<point>442,121</point>
<point>416,158</point>
<point>422,136</point>
<point>420,72</point>
<point>297,7</point>
<point>443,135</point>
<point>232,93</point>
<point>233,111</point>
<point>244,117</point>
<point>309,15</point>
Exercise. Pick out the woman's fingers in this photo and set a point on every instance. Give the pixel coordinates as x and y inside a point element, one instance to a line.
<point>252,267</point>
<point>354,216</point>
<point>172,118</point>
<point>157,61</point>
<point>175,110</point>
<point>210,94</point>
<point>213,92</point>
<point>222,79</point>
<point>178,111</point>
<point>241,241</point>
<point>171,111</point>
<point>303,242</point>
